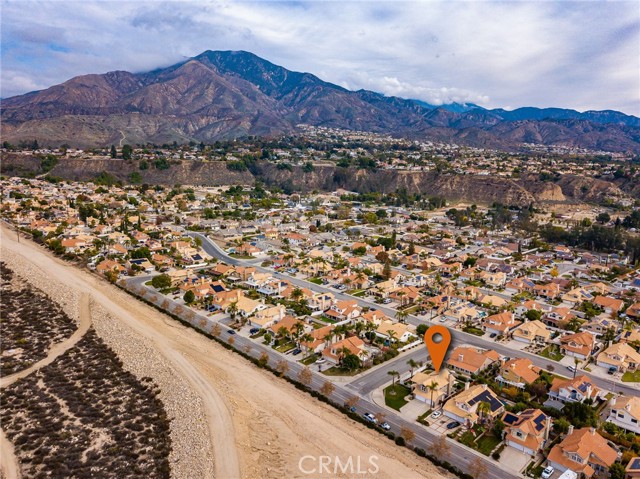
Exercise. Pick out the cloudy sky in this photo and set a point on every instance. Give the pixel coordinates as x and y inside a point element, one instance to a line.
<point>582,55</point>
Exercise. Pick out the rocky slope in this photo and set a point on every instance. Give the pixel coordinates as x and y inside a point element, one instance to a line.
<point>233,94</point>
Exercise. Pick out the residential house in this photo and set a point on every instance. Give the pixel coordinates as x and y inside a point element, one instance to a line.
<point>579,345</point>
<point>267,317</point>
<point>322,337</point>
<point>336,351</point>
<point>625,413</point>
<point>469,360</point>
<point>393,331</point>
<point>620,356</point>
<point>464,406</point>
<point>608,304</point>
<point>577,389</point>
<point>518,372</point>
<point>577,296</point>
<point>527,431</point>
<point>500,323</point>
<point>531,332</point>
<point>421,383</point>
<point>600,325</point>
<point>584,451</point>
<point>547,291</point>
<point>321,301</point>
<point>344,309</point>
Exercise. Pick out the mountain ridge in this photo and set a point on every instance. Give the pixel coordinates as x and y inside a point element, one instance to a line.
<point>229,94</point>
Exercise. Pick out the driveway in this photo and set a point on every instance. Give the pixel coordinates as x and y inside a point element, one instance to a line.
<point>515,459</point>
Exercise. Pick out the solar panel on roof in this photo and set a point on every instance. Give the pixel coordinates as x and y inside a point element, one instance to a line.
<point>583,387</point>
<point>635,464</point>
<point>539,422</point>
<point>510,418</point>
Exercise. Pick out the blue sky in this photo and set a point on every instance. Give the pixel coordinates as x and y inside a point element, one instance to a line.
<point>583,55</point>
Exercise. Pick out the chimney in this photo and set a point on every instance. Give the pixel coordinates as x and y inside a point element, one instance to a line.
<point>460,357</point>
<point>466,385</point>
<point>570,431</point>
<point>593,431</point>
<point>547,428</point>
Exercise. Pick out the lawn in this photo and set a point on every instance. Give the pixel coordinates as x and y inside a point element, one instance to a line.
<point>631,377</point>
<point>551,354</point>
<point>309,360</point>
<point>315,280</point>
<point>472,330</point>
<point>394,396</point>
<point>357,292</point>
<point>283,348</point>
<point>487,443</point>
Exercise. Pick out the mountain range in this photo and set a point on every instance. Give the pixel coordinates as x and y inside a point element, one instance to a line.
<point>231,94</point>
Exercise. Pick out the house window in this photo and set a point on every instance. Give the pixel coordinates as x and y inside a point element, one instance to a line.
<point>621,415</point>
<point>634,421</point>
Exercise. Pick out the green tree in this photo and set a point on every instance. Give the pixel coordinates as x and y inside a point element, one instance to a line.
<point>114,152</point>
<point>126,152</point>
<point>189,297</point>
<point>616,471</point>
<point>603,218</point>
<point>393,375</point>
<point>161,281</point>
<point>351,362</point>
<point>533,315</point>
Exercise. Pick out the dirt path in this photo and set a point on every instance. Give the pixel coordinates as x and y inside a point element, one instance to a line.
<point>58,348</point>
<point>9,466</point>
<point>260,426</point>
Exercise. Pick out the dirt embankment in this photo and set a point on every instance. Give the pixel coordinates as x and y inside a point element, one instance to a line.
<point>328,177</point>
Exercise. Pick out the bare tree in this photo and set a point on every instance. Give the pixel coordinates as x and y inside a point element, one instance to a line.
<point>247,348</point>
<point>408,434</point>
<point>305,376</point>
<point>352,401</point>
<point>282,367</point>
<point>478,469</point>
<point>231,340</point>
<point>264,360</point>
<point>215,330</point>
<point>327,388</point>
<point>380,417</point>
<point>440,447</point>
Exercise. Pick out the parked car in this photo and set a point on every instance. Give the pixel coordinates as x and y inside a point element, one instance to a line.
<point>386,300</point>
<point>546,474</point>
<point>370,417</point>
<point>453,425</point>
<point>231,331</point>
<point>321,361</point>
<point>493,335</point>
<point>296,351</point>
<point>352,408</point>
<point>436,414</point>
<point>443,319</point>
<point>385,426</point>
<point>571,368</point>
<point>254,330</point>
<point>612,370</point>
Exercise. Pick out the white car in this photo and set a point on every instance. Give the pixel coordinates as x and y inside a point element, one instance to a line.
<point>436,414</point>
<point>546,474</point>
<point>321,361</point>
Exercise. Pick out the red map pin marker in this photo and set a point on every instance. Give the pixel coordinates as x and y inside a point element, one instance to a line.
<point>437,339</point>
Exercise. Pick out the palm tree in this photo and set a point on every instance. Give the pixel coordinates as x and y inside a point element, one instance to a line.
<point>393,375</point>
<point>483,408</point>
<point>412,365</point>
<point>392,335</point>
<point>402,316</point>
<point>233,310</point>
<point>576,362</point>
<point>297,293</point>
<point>432,387</point>
<point>306,338</point>
<point>283,332</point>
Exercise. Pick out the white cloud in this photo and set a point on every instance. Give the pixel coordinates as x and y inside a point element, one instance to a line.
<point>553,53</point>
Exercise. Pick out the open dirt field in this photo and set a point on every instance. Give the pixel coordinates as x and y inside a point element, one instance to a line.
<point>243,422</point>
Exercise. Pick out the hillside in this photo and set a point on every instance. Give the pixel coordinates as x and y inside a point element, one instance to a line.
<point>329,177</point>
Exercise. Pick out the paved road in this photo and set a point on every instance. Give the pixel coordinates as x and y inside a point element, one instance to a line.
<point>459,455</point>
<point>379,376</point>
